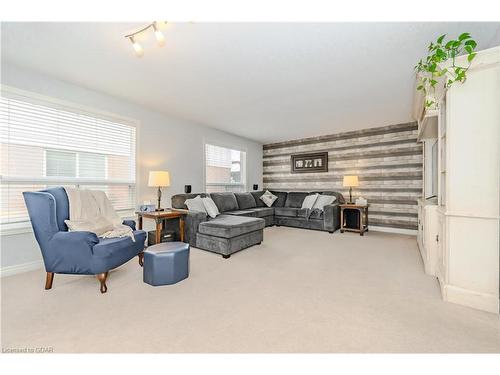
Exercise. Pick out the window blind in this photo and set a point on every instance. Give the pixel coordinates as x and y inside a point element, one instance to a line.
<point>43,144</point>
<point>224,169</point>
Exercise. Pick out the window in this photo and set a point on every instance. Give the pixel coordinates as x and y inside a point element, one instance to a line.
<point>224,169</point>
<point>45,144</point>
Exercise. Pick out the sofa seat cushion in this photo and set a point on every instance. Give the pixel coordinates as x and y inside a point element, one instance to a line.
<point>263,211</point>
<point>286,211</point>
<point>245,200</point>
<point>295,199</point>
<point>250,213</point>
<point>225,201</point>
<point>303,213</point>
<point>316,214</point>
<point>229,226</point>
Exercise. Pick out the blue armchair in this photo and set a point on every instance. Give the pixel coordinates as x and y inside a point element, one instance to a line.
<point>80,253</point>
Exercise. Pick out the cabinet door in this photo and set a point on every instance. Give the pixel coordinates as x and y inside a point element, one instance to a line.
<point>441,271</point>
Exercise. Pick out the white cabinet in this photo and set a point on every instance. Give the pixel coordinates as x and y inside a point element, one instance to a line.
<point>469,189</point>
<point>427,235</point>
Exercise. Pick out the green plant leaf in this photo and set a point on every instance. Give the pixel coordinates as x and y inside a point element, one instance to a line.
<point>464,36</point>
<point>449,44</point>
<point>471,57</point>
<point>420,87</point>
<point>472,43</point>
<point>440,39</point>
<point>468,48</point>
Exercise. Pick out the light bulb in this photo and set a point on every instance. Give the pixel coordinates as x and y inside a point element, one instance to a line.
<point>139,51</point>
<point>159,35</point>
<point>160,38</point>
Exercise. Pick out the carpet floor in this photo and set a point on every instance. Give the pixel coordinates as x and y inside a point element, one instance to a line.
<point>300,291</point>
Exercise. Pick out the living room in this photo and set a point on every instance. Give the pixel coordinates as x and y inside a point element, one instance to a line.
<point>250,187</point>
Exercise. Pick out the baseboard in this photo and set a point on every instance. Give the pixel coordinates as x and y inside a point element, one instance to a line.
<point>20,268</point>
<point>467,297</point>
<point>411,232</point>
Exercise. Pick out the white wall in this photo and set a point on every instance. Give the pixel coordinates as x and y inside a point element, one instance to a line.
<point>163,143</point>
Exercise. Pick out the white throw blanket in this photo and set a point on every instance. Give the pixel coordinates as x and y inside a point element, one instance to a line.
<point>91,210</point>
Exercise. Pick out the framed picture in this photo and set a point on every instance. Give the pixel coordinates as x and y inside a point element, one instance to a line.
<point>308,163</point>
<point>147,208</point>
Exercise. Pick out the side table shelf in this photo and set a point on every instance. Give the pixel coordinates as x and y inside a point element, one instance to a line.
<point>362,218</point>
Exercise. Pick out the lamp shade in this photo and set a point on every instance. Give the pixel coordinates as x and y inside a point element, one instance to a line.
<point>159,179</point>
<point>351,181</point>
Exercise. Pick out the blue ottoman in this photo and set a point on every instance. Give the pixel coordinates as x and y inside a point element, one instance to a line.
<point>166,263</point>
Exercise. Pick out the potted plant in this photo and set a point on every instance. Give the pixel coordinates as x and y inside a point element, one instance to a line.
<point>432,70</point>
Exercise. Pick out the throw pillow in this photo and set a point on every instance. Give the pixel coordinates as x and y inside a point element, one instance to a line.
<point>309,201</point>
<point>195,204</point>
<point>210,207</point>
<point>324,200</point>
<point>268,198</point>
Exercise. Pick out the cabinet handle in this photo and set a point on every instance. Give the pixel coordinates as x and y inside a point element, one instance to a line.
<point>437,237</point>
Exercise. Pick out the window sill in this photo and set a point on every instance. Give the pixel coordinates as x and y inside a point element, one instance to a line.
<point>25,227</point>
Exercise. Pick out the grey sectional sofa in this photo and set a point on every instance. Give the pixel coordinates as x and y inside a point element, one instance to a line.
<point>244,215</point>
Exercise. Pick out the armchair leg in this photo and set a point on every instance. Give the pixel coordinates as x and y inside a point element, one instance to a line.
<point>141,258</point>
<point>102,279</point>
<point>48,280</point>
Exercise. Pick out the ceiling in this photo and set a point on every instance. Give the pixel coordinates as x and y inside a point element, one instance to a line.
<point>264,81</point>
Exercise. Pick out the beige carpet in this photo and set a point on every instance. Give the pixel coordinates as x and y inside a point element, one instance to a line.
<point>300,291</point>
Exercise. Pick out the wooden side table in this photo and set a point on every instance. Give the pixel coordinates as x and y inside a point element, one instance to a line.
<point>362,222</point>
<point>159,217</point>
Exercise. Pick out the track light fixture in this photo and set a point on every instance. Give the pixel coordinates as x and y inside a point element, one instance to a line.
<point>160,38</point>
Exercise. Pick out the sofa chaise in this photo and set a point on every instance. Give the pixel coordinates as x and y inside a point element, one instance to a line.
<point>244,215</point>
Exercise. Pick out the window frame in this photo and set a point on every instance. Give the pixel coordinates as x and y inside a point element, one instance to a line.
<point>234,148</point>
<point>15,93</point>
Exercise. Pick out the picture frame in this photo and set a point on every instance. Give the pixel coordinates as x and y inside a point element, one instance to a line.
<point>147,208</point>
<point>309,163</point>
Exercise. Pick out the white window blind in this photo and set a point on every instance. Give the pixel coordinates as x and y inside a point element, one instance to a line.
<point>44,144</point>
<point>224,169</point>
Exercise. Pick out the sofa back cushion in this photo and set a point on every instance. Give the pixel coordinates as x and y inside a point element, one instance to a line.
<point>179,199</point>
<point>225,201</point>
<point>256,196</point>
<point>295,199</point>
<point>339,197</point>
<point>280,202</point>
<point>245,200</point>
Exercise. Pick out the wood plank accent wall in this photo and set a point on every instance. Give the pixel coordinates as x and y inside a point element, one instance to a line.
<point>388,161</point>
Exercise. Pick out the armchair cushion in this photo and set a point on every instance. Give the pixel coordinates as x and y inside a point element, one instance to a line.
<point>110,253</point>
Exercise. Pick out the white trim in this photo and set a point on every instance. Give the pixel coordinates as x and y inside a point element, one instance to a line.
<point>477,300</point>
<point>21,268</point>
<point>411,232</point>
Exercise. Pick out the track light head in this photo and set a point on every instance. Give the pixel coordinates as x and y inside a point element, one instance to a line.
<point>159,35</point>
<point>139,51</point>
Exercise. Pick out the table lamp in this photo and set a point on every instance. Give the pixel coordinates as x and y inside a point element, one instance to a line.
<point>351,181</point>
<point>159,179</point>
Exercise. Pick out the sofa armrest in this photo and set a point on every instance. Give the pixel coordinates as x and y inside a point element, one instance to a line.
<point>192,221</point>
<point>70,252</point>
<point>331,217</point>
<point>129,223</point>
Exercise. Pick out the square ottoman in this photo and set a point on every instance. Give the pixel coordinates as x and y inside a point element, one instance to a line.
<point>227,234</point>
<point>166,263</point>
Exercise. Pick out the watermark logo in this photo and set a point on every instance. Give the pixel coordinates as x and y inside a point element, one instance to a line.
<point>29,350</point>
